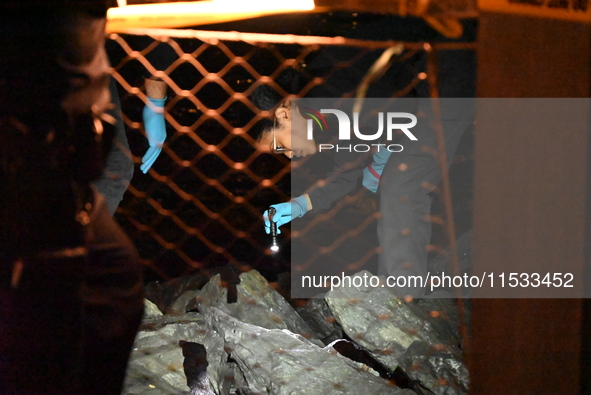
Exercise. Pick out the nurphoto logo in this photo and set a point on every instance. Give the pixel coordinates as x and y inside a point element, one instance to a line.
<point>392,121</point>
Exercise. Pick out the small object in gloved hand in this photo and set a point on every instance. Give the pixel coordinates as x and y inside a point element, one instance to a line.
<point>274,244</point>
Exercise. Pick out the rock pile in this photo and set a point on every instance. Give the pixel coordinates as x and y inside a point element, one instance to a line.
<point>352,341</point>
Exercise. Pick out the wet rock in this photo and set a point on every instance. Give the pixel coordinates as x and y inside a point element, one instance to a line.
<point>171,329</point>
<point>319,318</point>
<point>159,368</point>
<point>353,351</point>
<point>165,294</point>
<point>256,303</point>
<point>195,366</point>
<point>247,339</point>
<point>387,327</point>
<point>280,362</point>
<point>225,377</point>
<point>443,312</point>
<point>381,323</point>
<point>141,381</point>
<point>233,381</point>
<point>440,370</point>
<point>184,303</point>
<point>150,309</point>
<point>156,362</point>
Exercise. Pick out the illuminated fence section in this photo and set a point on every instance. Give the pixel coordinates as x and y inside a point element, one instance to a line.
<point>201,203</point>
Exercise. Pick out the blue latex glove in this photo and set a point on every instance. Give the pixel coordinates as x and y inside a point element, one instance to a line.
<point>153,116</point>
<point>373,172</point>
<point>285,212</point>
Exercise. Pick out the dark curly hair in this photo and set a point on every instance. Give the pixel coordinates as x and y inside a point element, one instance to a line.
<point>266,98</point>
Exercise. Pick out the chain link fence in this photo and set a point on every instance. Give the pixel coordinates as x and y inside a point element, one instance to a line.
<point>201,204</point>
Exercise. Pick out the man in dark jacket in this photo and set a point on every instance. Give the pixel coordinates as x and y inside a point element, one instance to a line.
<point>405,178</point>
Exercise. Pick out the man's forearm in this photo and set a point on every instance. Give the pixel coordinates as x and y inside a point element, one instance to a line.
<point>155,89</point>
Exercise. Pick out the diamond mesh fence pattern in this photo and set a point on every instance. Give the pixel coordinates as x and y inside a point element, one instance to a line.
<point>201,203</point>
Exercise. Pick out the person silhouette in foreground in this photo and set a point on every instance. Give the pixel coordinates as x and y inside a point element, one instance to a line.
<point>71,289</point>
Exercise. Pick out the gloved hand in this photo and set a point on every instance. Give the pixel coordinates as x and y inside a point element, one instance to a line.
<point>285,212</point>
<point>153,116</point>
<point>373,172</point>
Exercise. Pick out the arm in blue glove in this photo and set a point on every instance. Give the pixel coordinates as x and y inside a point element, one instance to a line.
<point>373,172</point>
<point>153,116</point>
<point>285,212</point>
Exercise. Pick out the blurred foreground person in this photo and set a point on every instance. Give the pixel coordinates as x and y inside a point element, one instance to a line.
<point>71,295</point>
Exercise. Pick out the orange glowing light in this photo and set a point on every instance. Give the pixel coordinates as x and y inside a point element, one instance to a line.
<point>193,13</point>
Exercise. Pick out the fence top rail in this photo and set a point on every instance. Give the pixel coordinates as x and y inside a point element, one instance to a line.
<point>212,37</point>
